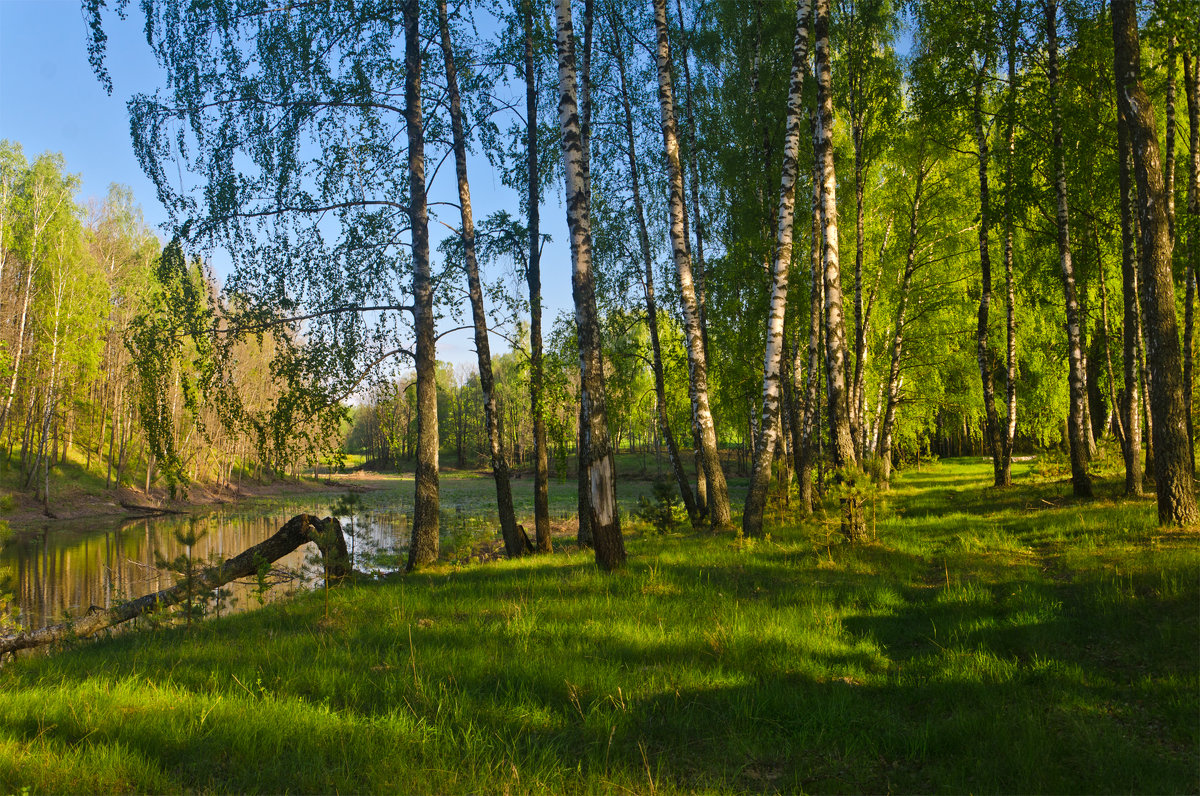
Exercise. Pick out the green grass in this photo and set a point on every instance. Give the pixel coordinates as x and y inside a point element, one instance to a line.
<point>986,641</point>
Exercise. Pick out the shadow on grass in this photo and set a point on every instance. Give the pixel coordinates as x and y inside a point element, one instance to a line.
<point>954,655</point>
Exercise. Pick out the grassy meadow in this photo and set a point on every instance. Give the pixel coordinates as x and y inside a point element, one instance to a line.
<point>984,641</point>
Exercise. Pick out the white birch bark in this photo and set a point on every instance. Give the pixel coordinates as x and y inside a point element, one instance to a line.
<point>764,448</point>
<point>596,454</point>
<point>835,323</point>
<point>681,478</point>
<point>718,491</point>
<point>423,548</point>
<point>1010,357</point>
<point>1080,480</point>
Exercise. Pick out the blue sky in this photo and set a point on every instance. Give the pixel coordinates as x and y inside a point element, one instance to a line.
<point>51,101</point>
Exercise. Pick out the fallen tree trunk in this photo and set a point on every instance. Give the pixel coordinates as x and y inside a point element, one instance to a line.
<point>326,533</point>
<point>149,511</point>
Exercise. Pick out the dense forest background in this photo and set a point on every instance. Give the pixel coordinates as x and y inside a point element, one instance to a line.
<point>962,196</point>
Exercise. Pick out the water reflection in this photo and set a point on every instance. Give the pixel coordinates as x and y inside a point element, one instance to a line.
<point>62,570</point>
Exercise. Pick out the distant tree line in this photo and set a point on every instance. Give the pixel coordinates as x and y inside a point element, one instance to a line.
<point>88,381</point>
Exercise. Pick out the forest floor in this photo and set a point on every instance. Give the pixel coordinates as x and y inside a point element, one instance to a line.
<point>983,640</point>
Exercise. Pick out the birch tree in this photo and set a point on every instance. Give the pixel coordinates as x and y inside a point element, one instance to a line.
<point>1004,476</point>
<point>643,234</point>
<point>1081,482</point>
<point>1131,409</point>
<point>514,542</point>
<point>764,448</point>
<point>810,424</point>
<point>844,457</point>
<point>423,548</point>
<point>596,454</point>
<point>276,135</point>
<point>718,492</point>
<point>893,384</point>
<point>533,279</point>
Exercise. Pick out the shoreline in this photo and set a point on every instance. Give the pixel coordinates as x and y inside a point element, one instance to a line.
<point>72,502</point>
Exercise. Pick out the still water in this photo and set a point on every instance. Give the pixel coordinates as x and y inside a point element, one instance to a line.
<point>61,570</point>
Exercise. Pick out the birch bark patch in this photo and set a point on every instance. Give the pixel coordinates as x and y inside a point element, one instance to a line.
<point>602,503</point>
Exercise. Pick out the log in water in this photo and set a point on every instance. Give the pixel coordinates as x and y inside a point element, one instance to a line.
<point>301,529</point>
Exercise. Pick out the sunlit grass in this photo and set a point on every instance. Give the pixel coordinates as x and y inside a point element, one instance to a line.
<point>986,641</point>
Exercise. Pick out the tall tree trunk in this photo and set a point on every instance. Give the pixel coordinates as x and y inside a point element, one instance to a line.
<point>983,351</point>
<point>1173,476</point>
<point>423,549</point>
<point>660,392</point>
<point>764,448</point>
<point>866,441</point>
<point>698,264</point>
<point>584,533</point>
<point>597,455</point>
<point>1112,381</point>
<point>1081,482</point>
<point>893,382</point>
<point>835,326</point>
<point>583,479</point>
<point>1169,142</point>
<point>806,452</point>
<point>514,540</point>
<point>533,277</point>
<point>699,267</point>
<point>718,492</point>
<point>857,395</point>
<point>1010,300</point>
<point>1191,87</point>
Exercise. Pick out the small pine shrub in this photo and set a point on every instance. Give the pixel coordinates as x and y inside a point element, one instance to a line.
<point>662,512</point>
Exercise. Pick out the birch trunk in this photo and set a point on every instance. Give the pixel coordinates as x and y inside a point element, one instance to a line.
<point>597,455</point>
<point>1077,433</point>
<point>983,352</point>
<point>1191,87</point>
<point>805,455</point>
<point>1169,142</point>
<point>835,326</point>
<point>1010,301</point>
<point>1173,478</point>
<point>514,540</point>
<point>717,492</point>
<point>533,278</point>
<point>660,392</point>
<point>584,535</point>
<point>764,448</point>
<point>866,440</point>
<point>893,382</point>
<point>1112,381</point>
<point>423,549</point>
<point>857,385</point>
<point>699,267</point>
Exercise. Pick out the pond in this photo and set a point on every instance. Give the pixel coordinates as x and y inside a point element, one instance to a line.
<point>61,570</point>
